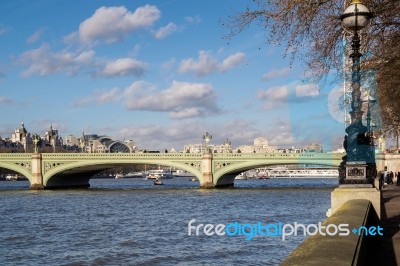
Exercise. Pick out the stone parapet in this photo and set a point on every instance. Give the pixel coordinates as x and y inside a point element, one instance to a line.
<point>338,250</point>
<point>344,193</point>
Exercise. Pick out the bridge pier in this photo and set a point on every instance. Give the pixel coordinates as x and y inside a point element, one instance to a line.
<point>207,180</point>
<point>37,177</point>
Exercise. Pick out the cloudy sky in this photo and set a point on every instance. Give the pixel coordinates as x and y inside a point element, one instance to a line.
<point>157,72</point>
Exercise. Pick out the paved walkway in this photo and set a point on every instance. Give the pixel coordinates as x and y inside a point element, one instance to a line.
<point>386,251</point>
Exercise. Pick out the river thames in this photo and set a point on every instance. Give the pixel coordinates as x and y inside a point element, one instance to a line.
<point>133,222</point>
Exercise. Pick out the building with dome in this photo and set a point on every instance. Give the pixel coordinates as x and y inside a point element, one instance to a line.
<point>93,143</point>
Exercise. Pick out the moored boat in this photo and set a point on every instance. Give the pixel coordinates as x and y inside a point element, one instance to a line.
<point>241,176</point>
<point>119,176</point>
<point>160,173</point>
<point>12,177</point>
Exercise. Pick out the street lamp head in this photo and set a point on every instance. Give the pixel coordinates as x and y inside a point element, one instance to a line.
<point>207,137</point>
<point>355,17</point>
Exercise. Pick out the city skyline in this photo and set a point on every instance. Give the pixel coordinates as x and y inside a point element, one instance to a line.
<point>159,73</point>
<point>22,139</point>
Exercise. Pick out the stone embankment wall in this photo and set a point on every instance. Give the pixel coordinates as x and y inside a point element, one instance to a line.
<point>346,250</point>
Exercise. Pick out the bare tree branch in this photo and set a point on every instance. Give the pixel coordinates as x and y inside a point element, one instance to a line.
<point>311,30</point>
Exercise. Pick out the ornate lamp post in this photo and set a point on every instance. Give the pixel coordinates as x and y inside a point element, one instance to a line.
<point>207,137</point>
<point>358,166</point>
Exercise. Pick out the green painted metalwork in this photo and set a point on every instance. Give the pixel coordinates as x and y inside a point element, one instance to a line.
<point>223,164</point>
<point>238,162</point>
<point>18,162</point>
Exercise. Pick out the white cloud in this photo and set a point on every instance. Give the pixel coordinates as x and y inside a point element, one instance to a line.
<point>273,96</point>
<point>156,136</point>
<point>275,73</point>
<point>99,97</point>
<point>232,61</point>
<point>177,134</point>
<point>71,38</point>
<point>112,24</point>
<point>85,57</point>
<point>82,102</point>
<point>103,97</point>
<point>42,61</point>
<point>293,93</point>
<point>181,100</point>
<point>163,32</point>
<point>123,67</point>
<point>35,36</point>
<point>186,112</point>
<point>207,64</point>
<point>305,90</point>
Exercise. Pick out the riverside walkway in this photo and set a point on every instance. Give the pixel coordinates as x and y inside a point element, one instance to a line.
<point>386,250</point>
<point>356,249</point>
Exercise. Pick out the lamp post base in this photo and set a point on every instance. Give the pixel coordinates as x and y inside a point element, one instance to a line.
<point>357,173</point>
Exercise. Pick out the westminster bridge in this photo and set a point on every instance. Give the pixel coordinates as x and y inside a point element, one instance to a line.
<point>52,170</point>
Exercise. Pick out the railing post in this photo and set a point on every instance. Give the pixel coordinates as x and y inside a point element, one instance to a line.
<point>207,181</point>
<point>37,177</point>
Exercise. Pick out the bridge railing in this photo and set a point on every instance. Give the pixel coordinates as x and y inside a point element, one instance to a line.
<point>279,155</point>
<point>15,155</point>
<point>231,155</point>
<point>121,155</point>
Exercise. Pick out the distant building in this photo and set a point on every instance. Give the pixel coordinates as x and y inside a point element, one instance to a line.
<point>21,141</point>
<point>93,143</point>
<point>260,145</point>
<point>52,139</point>
<point>71,141</point>
<point>314,148</point>
<point>21,138</point>
<point>201,148</point>
<point>194,148</point>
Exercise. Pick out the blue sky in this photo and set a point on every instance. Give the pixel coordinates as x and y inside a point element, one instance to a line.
<point>157,72</point>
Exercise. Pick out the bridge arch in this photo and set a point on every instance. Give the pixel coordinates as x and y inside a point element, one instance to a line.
<point>18,169</point>
<point>226,168</point>
<point>53,169</point>
<point>20,163</point>
<point>63,174</point>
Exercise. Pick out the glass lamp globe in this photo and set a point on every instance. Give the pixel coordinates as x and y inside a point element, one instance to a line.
<point>355,17</point>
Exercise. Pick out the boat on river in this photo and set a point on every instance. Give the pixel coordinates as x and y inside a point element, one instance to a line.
<point>263,173</point>
<point>181,173</point>
<point>158,182</point>
<point>12,177</point>
<point>160,174</point>
<point>119,176</point>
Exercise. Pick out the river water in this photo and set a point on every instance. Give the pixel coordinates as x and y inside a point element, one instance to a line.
<point>133,222</point>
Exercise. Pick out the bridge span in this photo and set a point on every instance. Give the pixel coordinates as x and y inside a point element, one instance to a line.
<point>61,170</point>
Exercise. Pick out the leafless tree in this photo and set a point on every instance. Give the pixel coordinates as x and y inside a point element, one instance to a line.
<point>311,31</point>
